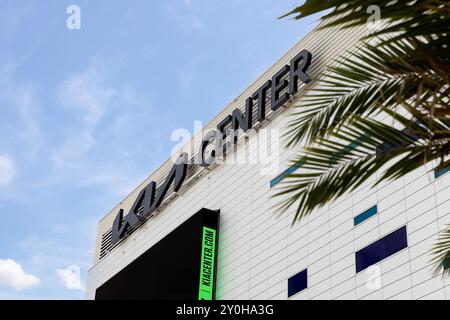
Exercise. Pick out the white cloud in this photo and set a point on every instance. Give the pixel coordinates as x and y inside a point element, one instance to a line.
<point>7,171</point>
<point>71,277</point>
<point>12,275</point>
<point>85,95</point>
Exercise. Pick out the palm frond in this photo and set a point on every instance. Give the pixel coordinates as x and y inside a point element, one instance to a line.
<point>441,254</point>
<point>406,19</point>
<point>341,162</point>
<point>404,74</point>
<point>370,80</point>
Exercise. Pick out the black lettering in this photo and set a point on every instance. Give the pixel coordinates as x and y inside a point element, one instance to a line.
<point>223,124</point>
<point>243,121</point>
<point>299,65</point>
<point>120,227</point>
<point>176,176</point>
<point>146,198</point>
<point>261,95</point>
<point>279,85</point>
<point>222,129</point>
<point>210,137</point>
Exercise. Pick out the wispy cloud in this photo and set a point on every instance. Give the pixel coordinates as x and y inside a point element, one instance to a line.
<point>185,18</point>
<point>87,98</point>
<point>46,250</point>
<point>12,275</point>
<point>74,146</point>
<point>7,170</point>
<point>21,100</point>
<point>27,105</point>
<point>86,94</point>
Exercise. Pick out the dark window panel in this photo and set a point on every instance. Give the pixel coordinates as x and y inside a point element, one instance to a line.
<point>381,249</point>
<point>297,283</point>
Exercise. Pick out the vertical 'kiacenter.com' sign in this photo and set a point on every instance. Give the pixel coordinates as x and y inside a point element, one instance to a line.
<point>207,265</point>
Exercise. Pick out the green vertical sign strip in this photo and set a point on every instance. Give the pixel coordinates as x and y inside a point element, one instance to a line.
<point>206,288</point>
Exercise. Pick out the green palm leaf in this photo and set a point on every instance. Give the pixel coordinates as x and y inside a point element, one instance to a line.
<point>441,253</point>
<point>406,18</point>
<point>402,72</point>
<point>370,80</point>
<point>337,165</point>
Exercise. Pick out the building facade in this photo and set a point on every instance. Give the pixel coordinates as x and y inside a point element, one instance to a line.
<point>373,243</point>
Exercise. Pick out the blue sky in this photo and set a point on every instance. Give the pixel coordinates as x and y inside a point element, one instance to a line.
<point>86,115</point>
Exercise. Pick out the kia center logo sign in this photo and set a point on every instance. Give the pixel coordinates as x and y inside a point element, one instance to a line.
<point>148,200</point>
<point>282,86</point>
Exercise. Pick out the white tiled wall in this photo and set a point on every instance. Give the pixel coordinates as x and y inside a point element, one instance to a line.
<point>259,250</point>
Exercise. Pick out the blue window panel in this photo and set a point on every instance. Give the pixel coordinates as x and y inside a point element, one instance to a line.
<point>365,215</point>
<point>440,172</point>
<point>287,172</point>
<point>297,283</point>
<point>381,249</point>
